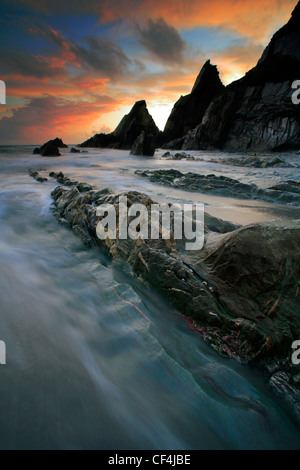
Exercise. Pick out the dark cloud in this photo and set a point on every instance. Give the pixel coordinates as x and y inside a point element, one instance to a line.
<point>254,18</point>
<point>96,54</point>
<point>26,64</point>
<point>13,129</point>
<point>162,40</point>
<point>93,54</point>
<point>102,55</point>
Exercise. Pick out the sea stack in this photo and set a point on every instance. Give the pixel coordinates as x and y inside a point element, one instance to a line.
<point>189,110</point>
<point>50,148</point>
<point>129,129</point>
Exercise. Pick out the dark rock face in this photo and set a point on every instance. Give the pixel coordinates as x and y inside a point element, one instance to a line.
<point>128,130</point>
<point>74,150</point>
<point>50,149</point>
<point>255,275</point>
<point>189,110</point>
<point>257,112</point>
<point>133,124</point>
<point>144,145</point>
<point>175,144</point>
<point>58,143</point>
<point>100,141</point>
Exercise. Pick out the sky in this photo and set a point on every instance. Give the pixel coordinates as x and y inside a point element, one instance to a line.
<point>73,68</point>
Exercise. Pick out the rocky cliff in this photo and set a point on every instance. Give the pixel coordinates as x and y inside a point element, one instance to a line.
<point>189,110</point>
<point>257,112</point>
<point>129,129</point>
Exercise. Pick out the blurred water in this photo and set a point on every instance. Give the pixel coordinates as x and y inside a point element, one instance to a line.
<point>96,358</point>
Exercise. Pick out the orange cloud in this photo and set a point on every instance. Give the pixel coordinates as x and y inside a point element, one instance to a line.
<point>40,119</point>
<point>92,84</point>
<point>23,87</point>
<point>60,102</point>
<point>66,53</point>
<point>253,18</point>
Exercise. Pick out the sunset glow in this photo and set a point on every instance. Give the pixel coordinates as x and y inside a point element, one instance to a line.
<point>75,69</point>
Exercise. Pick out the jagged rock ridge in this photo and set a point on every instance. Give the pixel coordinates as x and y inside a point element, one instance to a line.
<point>129,129</point>
<point>257,112</point>
<point>189,110</point>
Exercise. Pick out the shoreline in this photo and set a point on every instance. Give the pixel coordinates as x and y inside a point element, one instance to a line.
<point>247,326</point>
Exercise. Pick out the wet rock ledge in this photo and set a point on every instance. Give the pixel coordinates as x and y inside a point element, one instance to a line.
<point>222,185</point>
<point>241,291</point>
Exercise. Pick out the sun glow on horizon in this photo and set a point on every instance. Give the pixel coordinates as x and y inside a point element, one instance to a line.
<point>160,113</point>
<point>232,77</point>
<point>78,77</point>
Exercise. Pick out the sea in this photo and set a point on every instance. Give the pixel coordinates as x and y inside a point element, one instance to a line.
<point>95,357</point>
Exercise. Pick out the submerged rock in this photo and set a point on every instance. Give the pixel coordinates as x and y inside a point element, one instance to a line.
<point>220,185</point>
<point>35,174</point>
<point>62,179</point>
<point>255,162</point>
<point>287,187</point>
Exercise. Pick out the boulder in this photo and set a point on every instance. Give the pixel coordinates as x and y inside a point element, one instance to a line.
<point>144,145</point>
<point>50,148</point>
